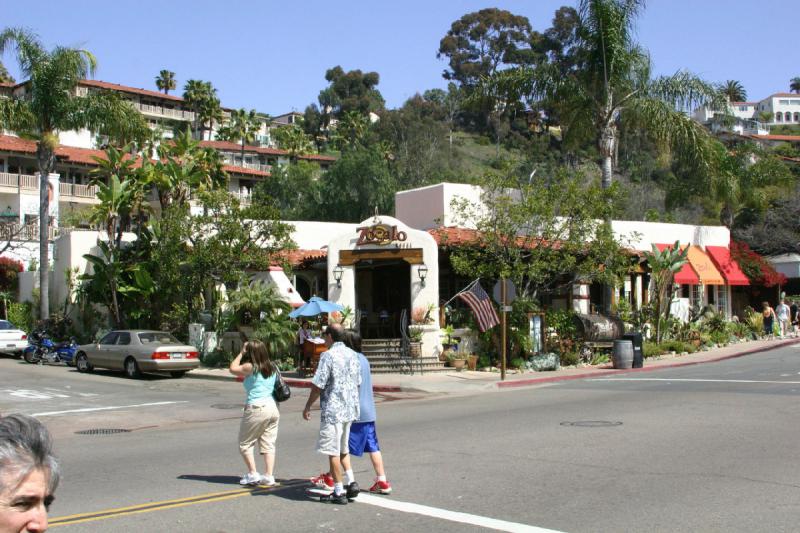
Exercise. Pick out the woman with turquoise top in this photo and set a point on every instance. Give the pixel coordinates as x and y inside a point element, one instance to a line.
<point>260,419</point>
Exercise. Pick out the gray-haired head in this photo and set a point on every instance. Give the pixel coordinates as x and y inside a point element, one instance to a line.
<point>25,446</point>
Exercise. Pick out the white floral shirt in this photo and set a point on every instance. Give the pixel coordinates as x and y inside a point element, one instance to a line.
<point>338,375</point>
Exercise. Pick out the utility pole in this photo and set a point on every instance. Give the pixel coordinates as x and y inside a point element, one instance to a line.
<point>503,297</point>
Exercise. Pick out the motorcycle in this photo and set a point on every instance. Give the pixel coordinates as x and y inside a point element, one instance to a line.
<point>41,349</point>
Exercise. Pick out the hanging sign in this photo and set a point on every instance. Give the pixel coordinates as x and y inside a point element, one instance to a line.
<point>380,234</point>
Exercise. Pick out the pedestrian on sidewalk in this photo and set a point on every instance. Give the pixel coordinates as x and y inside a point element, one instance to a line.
<point>29,474</point>
<point>336,385</point>
<point>261,415</point>
<point>768,314</point>
<point>363,436</point>
<point>783,312</point>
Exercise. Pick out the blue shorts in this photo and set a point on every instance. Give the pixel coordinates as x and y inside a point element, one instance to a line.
<point>363,438</point>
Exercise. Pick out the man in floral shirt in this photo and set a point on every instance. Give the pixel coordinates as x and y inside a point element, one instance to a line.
<point>336,384</point>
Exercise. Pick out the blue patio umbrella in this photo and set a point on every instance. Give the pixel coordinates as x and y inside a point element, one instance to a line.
<point>314,306</point>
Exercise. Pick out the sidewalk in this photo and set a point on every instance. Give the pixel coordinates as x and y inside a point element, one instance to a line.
<point>466,381</point>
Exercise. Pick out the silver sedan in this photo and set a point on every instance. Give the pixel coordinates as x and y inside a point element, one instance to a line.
<point>137,351</point>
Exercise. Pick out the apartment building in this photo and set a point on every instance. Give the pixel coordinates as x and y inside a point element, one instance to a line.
<point>753,118</point>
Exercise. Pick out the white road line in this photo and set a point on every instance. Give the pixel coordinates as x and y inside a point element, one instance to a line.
<point>700,380</point>
<point>109,408</point>
<point>452,516</point>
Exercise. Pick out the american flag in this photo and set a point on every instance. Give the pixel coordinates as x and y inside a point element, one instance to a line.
<point>477,300</point>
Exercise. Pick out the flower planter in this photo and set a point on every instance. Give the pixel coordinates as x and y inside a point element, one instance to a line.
<point>458,364</point>
<point>472,362</point>
<point>415,349</point>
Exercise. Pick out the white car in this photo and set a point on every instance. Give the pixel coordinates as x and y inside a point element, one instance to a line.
<point>12,339</point>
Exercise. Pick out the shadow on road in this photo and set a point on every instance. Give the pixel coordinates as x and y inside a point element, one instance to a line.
<point>220,480</point>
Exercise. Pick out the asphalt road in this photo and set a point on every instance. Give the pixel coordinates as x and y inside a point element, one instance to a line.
<point>709,447</point>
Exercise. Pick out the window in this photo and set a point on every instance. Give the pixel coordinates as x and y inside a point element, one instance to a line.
<point>778,117</point>
<point>784,102</point>
<point>110,338</point>
<point>712,293</point>
<point>685,291</point>
<point>124,338</point>
<point>722,299</point>
<point>788,116</point>
<point>157,337</point>
<point>697,295</point>
<point>795,102</point>
<point>797,117</point>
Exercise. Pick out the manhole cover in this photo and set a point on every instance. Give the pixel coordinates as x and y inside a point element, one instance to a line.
<point>102,431</point>
<point>592,423</point>
<point>228,406</point>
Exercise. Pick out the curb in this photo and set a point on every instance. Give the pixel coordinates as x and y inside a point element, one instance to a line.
<point>302,384</point>
<point>536,381</point>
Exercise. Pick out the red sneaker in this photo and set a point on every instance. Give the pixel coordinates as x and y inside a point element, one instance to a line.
<point>323,481</point>
<point>381,487</point>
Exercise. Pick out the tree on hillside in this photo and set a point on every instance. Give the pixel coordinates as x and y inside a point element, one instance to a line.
<point>293,139</point>
<point>242,128</point>
<point>450,103</point>
<point>794,85</point>
<point>733,91</point>
<point>354,186</point>
<point>480,43</point>
<point>5,77</point>
<point>353,90</point>
<point>50,105</point>
<point>611,84</point>
<point>202,97</point>
<point>165,81</point>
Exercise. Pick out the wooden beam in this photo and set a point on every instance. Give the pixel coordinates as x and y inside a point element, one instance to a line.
<point>412,256</point>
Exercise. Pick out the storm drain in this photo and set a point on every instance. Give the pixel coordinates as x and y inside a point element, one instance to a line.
<point>228,406</point>
<point>592,424</point>
<point>102,431</point>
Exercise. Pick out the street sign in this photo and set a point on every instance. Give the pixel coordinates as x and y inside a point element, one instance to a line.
<point>507,308</point>
<point>511,292</point>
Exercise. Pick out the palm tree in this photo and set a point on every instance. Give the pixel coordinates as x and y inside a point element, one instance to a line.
<point>794,85</point>
<point>243,127</point>
<point>5,77</point>
<point>165,81</point>
<point>733,91</point>
<point>51,104</point>
<point>202,97</point>
<point>612,84</point>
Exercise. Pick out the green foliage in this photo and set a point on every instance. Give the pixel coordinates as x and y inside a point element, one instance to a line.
<point>518,363</point>
<point>484,361</point>
<point>21,314</point>
<point>569,358</point>
<point>415,334</point>
<point>219,358</point>
<point>651,349</point>
<point>664,264</point>
<point>541,233</point>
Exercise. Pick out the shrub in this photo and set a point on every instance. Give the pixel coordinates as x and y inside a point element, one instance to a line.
<point>9,268</point>
<point>518,362</point>
<point>21,315</point>
<point>651,349</point>
<point>720,337</point>
<point>569,358</point>
<point>677,346</point>
<point>218,358</point>
<point>484,361</point>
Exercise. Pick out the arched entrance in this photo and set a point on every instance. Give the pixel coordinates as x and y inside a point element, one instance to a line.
<point>383,291</point>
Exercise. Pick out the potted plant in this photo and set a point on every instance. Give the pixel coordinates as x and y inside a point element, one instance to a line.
<point>472,361</point>
<point>415,338</point>
<point>457,359</point>
<point>449,343</point>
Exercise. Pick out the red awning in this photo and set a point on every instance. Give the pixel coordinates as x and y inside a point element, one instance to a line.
<point>721,256</point>
<point>686,275</point>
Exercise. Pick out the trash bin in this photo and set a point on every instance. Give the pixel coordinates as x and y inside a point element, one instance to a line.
<point>622,354</point>
<point>638,350</point>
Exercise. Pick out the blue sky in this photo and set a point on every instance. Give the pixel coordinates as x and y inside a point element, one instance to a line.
<point>272,55</point>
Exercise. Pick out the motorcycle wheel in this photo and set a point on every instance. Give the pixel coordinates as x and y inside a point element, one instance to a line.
<point>32,356</point>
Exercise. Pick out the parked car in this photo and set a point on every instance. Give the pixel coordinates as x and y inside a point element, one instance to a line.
<point>12,339</point>
<point>138,351</point>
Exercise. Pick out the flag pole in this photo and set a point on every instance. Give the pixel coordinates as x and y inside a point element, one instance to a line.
<point>465,289</point>
<point>503,297</point>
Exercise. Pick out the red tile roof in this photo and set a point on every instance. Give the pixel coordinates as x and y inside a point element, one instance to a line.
<point>317,157</point>
<point>133,90</point>
<point>790,138</point>
<point>298,257</point>
<point>784,95</point>
<point>451,236</point>
<point>85,156</point>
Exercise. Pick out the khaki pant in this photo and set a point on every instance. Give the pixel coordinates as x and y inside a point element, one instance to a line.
<point>259,423</point>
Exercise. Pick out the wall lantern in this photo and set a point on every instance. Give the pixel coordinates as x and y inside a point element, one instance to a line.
<point>422,272</point>
<point>337,275</point>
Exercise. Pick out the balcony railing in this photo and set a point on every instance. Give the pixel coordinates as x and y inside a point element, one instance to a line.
<point>164,111</point>
<point>78,191</point>
<point>24,232</point>
<point>19,181</point>
<point>252,166</point>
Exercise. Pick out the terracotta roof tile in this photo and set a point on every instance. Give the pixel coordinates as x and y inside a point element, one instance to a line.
<point>790,138</point>
<point>299,257</point>
<point>235,147</point>
<point>133,90</point>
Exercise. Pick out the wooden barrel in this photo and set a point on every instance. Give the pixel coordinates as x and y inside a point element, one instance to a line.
<point>622,356</point>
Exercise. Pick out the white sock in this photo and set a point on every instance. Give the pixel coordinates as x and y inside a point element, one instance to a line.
<point>348,477</point>
<point>382,478</point>
<point>338,488</point>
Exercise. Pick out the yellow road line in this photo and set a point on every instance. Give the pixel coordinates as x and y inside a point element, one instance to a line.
<point>164,504</point>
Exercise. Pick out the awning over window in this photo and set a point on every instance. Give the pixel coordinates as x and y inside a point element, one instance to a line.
<point>708,273</point>
<point>686,275</point>
<point>729,268</point>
